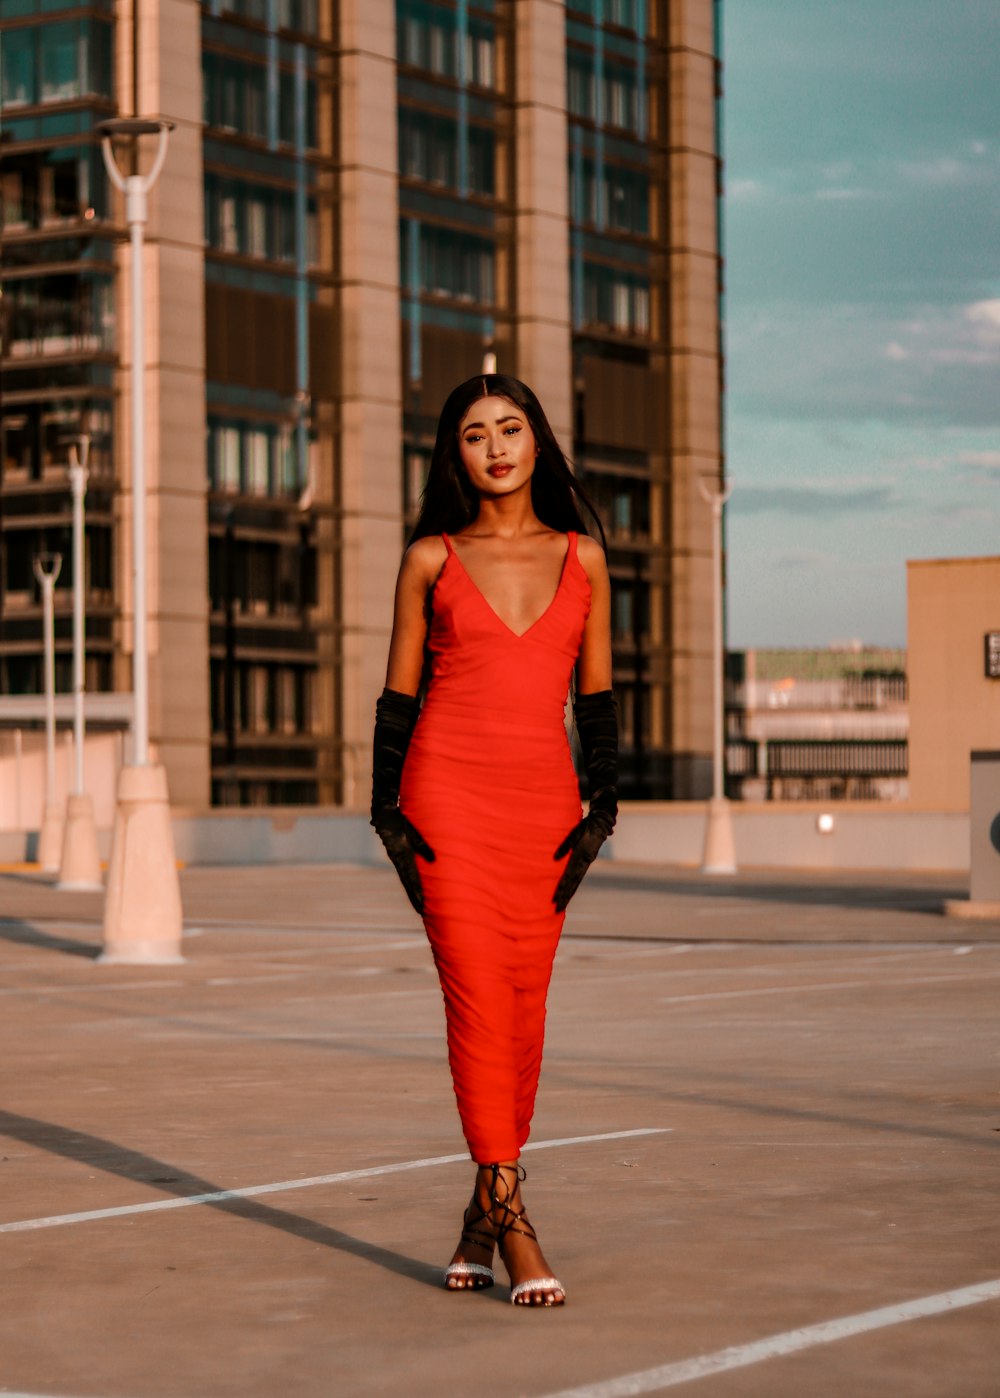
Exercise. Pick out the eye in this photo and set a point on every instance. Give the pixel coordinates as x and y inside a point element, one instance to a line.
<point>509,430</point>
<point>473,438</point>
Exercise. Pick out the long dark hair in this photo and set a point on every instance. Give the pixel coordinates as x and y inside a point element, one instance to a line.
<point>450,501</point>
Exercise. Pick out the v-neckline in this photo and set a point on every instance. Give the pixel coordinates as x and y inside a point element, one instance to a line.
<point>518,635</point>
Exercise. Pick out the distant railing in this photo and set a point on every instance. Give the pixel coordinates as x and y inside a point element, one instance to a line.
<point>849,692</point>
<point>807,757</point>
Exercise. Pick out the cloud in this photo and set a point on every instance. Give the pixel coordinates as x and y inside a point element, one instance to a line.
<point>743,190</point>
<point>834,192</point>
<point>812,500</point>
<point>801,560</point>
<point>986,316</point>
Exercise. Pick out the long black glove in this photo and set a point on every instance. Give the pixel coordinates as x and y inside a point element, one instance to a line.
<point>395,716</point>
<point>597,724</point>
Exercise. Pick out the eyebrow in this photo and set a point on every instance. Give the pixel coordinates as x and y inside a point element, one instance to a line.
<point>511,417</point>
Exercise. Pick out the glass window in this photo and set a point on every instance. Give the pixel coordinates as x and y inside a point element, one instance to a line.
<point>621,521</point>
<point>288,471</point>
<point>479,56</point>
<point>628,200</point>
<point>456,265</point>
<point>621,98</point>
<point>98,72</point>
<point>258,459</point>
<point>616,300</point>
<point>14,211</point>
<point>64,313</point>
<point>257,240</point>
<point>226,459</point>
<point>482,161</point>
<point>622,611</point>
<point>61,45</point>
<point>256,101</point>
<point>581,85</point>
<point>229,229</point>
<point>17,52</point>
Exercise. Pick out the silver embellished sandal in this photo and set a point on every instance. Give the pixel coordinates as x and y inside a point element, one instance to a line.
<point>473,1276</point>
<point>512,1220</point>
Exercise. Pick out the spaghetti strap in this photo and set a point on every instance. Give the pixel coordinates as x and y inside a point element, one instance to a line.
<point>572,535</point>
<point>447,543</point>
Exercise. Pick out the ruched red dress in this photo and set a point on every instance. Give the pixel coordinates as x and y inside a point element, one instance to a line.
<point>489,783</point>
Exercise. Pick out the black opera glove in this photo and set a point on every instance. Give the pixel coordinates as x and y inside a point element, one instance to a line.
<point>597,724</point>
<point>395,717</point>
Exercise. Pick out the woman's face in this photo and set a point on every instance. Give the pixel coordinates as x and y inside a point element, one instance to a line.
<point>497,447</point>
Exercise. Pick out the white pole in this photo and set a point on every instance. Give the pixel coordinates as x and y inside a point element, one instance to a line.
<point>47,568</point>
<point>719,856</point>
<point>80,864</point>
<point>78,480</point>
<point>143,918</point>
<point>18,775</point>
<point>48,582</point>
<point>135,213</point>
<point>718,774</point>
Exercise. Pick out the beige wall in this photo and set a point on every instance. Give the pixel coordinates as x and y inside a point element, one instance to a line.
<point>370,453</point>
<point>542,214</point>
<point>954,709</point>
<point>695,446</point>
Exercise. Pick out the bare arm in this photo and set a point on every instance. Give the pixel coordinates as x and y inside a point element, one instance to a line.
<point>421,564</point>
<point>593,666</point>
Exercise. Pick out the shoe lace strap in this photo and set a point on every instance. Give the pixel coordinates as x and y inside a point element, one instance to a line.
<point>509,1218</point>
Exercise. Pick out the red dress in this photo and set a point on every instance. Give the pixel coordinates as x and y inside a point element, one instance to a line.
<point>489,783</point>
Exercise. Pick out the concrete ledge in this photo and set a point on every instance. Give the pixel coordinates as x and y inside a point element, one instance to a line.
<point>865,835</point>
<point>972,912</point>
<point>870,835</point>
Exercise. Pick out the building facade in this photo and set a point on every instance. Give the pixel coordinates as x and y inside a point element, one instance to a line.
<point>361,200</point>
<point>953,635</point>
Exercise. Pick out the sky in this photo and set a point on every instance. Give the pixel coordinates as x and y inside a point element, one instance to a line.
<point>862,242</point>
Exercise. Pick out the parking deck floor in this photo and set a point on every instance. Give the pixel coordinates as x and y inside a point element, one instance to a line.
<point>766,1156</point>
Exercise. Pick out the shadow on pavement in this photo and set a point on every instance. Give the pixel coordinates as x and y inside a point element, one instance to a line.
<point>115,1159</point>
<point>26,934</point>
<point>793,890</point>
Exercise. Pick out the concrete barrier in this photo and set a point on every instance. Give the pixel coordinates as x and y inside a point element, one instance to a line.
<point>774,835</point>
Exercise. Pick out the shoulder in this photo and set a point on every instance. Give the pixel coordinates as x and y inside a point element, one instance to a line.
<point>424,559</point>
<point>591,556</point>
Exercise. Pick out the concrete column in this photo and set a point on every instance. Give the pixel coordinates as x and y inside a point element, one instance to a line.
<point>169,72</point>
<point>370,445</point>
<point>695,444</point>
<point>541,219</point>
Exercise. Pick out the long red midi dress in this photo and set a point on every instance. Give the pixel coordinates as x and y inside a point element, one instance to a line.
<point>489,783</point>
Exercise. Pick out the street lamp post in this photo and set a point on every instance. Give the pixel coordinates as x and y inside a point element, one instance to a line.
<point>142,912</point>
<point>47,566</point>
<point>80,867</point>
<point>719,856</point>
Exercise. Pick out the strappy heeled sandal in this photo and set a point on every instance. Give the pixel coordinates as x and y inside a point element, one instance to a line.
<point>479,1277</point>
<point>516,1221</point>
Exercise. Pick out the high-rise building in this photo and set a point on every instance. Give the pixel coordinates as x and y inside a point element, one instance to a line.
<point>361,200</point>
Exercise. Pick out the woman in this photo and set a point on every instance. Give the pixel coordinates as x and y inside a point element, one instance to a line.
<point>505,590</point>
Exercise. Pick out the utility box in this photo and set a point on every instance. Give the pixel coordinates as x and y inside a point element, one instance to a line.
<point>984,828</point>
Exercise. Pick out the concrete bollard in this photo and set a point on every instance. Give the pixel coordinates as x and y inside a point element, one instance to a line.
<point>50,838</point>
<point>80,868</point>
<point>143,921</point>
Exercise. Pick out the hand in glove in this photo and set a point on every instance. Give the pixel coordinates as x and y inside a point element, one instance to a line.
<point>403,842</point>
<point>597,724</point>
<point>395,717</point>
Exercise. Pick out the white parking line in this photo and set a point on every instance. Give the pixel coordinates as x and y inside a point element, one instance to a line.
<point>821,985</point>
<point>25,1225</point>
<point>774,1346</point>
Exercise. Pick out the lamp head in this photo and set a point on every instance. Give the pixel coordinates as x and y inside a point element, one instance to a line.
<point>133,126</point>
